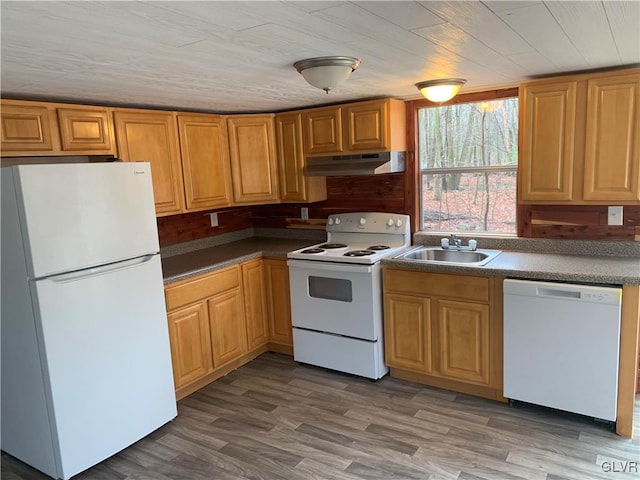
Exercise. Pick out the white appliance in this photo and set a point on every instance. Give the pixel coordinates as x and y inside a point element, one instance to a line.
<point>336,292</point>
<point>561,346</point>
<point>86,364</point>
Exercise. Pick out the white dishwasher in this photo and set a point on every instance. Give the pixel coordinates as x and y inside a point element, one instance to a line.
<point>561,346</point>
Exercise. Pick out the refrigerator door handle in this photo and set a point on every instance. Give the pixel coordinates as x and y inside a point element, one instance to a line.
<point>92,272</point>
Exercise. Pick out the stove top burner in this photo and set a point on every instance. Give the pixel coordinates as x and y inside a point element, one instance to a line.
<point>312,250</point>
<point>359,253</point>
<point>378,247</point>
<point>331,246</point>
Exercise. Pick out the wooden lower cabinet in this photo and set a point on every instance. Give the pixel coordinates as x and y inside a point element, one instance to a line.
<point>227,326</point>
<point>444,330</point>
<point>278,305</point>
<point>255,303</point>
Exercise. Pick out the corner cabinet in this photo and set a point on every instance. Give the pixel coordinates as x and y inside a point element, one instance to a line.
<point>371,126</point>
<point>444,330</point>
<point>205,161</point>
<point>294,185</point>
<point>44,129</point>
<point>253,159</point>
<point>152,136</point>
<point>580,139</point>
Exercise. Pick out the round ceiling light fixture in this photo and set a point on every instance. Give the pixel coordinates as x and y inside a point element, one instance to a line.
<point>442,89</point>
<point>326,72</point>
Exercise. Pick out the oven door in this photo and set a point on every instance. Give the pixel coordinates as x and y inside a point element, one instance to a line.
<point>337,298</point>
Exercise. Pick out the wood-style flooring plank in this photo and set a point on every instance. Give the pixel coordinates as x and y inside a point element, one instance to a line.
<point>274,419</point>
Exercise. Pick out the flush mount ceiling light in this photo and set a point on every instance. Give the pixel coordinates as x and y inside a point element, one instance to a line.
<point>442,89</point>
<point>326,72</point>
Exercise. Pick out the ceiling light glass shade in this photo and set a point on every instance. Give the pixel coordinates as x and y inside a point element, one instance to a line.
<point>441,90</point>
<point>326,72</point>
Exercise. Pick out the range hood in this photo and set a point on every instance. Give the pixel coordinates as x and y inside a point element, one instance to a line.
<point>363,164</point>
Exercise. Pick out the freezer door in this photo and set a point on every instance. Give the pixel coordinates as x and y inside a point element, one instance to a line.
<point>105,342</point>
<point>74,216</point>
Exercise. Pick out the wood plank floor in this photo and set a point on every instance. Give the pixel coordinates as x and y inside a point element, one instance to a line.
<point>276,419</point>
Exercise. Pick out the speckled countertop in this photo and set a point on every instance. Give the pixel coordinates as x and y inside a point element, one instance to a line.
<point>616,263</point>
<point>179,267</point>
<point>543,266</point>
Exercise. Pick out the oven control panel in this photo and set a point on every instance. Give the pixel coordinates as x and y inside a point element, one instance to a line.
<point>368,222</point>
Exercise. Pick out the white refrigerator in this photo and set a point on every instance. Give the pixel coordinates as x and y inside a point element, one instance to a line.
<point>86,363</point>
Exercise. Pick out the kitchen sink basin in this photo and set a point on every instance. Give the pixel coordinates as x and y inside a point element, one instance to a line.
<point>439,255</point>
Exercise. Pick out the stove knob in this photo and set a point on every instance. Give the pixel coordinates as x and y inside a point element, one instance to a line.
<point>330,222</point>
<point>362,221</point>
<point>398,223</point>
<point>337,221</point>
<point>390,222</point>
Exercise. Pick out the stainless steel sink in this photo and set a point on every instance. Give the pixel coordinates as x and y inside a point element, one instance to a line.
<point>439,255</point>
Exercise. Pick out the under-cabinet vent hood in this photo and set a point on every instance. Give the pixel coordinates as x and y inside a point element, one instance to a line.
<point>363,164</point>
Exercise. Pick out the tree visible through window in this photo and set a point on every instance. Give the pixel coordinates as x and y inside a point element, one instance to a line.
<point>468,160</point>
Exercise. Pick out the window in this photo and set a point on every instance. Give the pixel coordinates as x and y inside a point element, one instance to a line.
<point>468,155</point>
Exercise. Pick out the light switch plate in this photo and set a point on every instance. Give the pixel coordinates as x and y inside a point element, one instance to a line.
<point>614,216</point>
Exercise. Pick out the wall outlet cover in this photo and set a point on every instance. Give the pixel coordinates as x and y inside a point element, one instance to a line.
<point>214,219</point>
<point>615,216</point>
<point>304,213</point>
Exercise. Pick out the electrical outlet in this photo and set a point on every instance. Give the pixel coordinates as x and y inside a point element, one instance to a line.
<point>304,213</point>
<point>214,219</point>
<point>614,216</point>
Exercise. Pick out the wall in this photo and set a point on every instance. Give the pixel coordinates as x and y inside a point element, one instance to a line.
<point>190,226</point>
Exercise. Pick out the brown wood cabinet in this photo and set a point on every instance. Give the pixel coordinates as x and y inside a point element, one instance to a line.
<point>294,185</point>
<point>580,139</point>
<point>152,136</point>
<point>227,326</point>
<point>278,305</point>
<point>253,159</point>
<point>444,330</point>
<point>371,126</point>
<point>44,129</point>
<point>205,161</point>
<point>255,306</point>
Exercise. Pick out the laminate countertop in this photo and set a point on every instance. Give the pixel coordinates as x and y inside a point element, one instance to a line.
<point>514,264</point>
<point>543,266</point>
<point>179,267</point>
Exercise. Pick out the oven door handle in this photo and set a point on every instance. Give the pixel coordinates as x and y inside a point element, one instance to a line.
<point>330,267</point>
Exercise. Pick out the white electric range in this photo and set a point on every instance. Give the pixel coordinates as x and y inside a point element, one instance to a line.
<point>336,292</point>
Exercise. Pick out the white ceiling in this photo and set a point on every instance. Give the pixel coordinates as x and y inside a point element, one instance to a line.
<point>238,56</point>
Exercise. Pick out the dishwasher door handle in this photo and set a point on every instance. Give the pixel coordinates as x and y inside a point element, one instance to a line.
<point>556,292</point>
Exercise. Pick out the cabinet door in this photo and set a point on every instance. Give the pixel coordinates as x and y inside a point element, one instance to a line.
<point>294,186</point>
<point>323,131</point>
<point>255,303</point>
<point>205,161</point>
<point>153,137</point>
<point>368,126</point>
<point>547,129</point>
<point>190,347</point>
<point>86,130</point>
<point>253,162</point>
<point>464,341</point>
<point>407,332</point>
<point>226,324</point>
<point>278,301</point>
<point>26,128</point>
<point>612,158</point>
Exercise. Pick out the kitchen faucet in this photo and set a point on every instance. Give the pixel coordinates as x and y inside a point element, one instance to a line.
<point>455,243</point>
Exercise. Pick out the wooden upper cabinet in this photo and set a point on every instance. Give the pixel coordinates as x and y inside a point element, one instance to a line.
<point>205,161</point>
<point>376,125</point>
<point>86,130</point>
<point>294,185</point>
<point>547,141</point>
<point>612,158</point>
<point>27,127</point>
<point>152,136</point>
<point>323,131</point>
<point>253,159</point>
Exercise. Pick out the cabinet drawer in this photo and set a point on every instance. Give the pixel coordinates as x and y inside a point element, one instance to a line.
<point>203,286</point>
<point>464,287</point>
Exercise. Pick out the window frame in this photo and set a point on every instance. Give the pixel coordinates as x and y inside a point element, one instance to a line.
<point>413,173</point>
